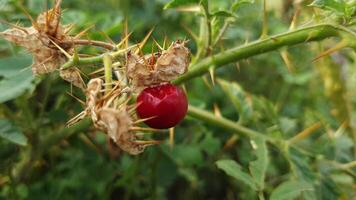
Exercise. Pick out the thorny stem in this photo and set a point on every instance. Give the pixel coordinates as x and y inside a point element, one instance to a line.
<point>225,123</point>
<point>292,37</point>
<point>96,59</point>
<point>303,35</point>
<point>90,42</point>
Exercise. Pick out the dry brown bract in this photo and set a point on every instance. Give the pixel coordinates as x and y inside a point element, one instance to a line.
<point>159,67</point>
<point>113,119</point>
<point>39,40</point>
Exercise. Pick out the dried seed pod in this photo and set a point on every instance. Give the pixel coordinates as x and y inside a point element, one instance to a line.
<point>173,62</point>
<point>157,68</point>
<point>117,124</point>
<point>72,75</point>
<point>115,120</point>
<point>39,38</point>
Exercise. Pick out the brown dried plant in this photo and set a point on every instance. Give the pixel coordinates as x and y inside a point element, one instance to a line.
<point>51,46</point>
<point>112,117</point>
<point>157,68</point>
<point>45,41</point>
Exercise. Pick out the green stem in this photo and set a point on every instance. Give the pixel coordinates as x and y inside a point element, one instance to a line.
<point>224,123</point>
<point>303,35</point>
<point>108,72</point>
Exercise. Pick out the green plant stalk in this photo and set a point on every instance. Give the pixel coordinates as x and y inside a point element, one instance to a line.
<point>225,123</point>
<point>303,35</point>
<point>108,72</point>
<point>95,59</point>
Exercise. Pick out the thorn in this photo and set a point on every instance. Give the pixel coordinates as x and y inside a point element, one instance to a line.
<point>159,46</point>
<point>285,56</point>
<point>264,33</point>
<point>305,133</point>
<point>190,32</point>
<point>171,137</point>
<point>337,47</point>
<point>165,42</point>
<point>76,118</point>
<point>293,23</point>
<point>14,25</point>
<point>217,111</point>
<point>150,142</point>
<point>33,22</point>
<point>340,130</point>
<point>206,82</point>
<point>82,73</point>
<point>147,129</point>
<point>80,34</point>
<point>124,41</point>
<point>96,71</point>
<point>76,98</point>
<point>107,37</point>
<point>143,120</point>
<point>212,74</point>
<point>231,142</point>
<point>68,28</point>
<point>126,32</point>
<point>143,42</point>
<point>62,50</point>
<point>247,39</point>
<point>133,109</point>
<point>237,65</point>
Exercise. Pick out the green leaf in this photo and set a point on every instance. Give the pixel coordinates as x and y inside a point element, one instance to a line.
<point>290,190</point>
<point>239,99</point>
<point>177,3</point>
<point>12,133</point>
<point>258,167</point>
<point>223,13</point>
<point>338,6</point>
<point>210,144</point>
<point>238,3</point>
<point>301,166</point>
<point>233,169</point>
<point>14,78</point>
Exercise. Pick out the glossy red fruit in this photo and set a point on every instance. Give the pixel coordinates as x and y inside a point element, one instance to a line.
<point>167,103</point>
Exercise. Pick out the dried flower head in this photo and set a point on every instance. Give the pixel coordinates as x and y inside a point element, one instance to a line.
<point>44,40</point>
<point>113,119</point>
<point>157,68</point>
<point>39,40</point>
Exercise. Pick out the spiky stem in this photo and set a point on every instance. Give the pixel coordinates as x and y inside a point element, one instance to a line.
<point>224,123</point>
<point>293,37</point>
<point>302,35</point>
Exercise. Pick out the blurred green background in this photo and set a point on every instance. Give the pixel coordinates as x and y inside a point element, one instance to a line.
<point>268,93</point>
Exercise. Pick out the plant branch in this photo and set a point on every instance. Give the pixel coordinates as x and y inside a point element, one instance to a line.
<point>302,35</point>
<point>222,122</point>
<point>96,59</point>
<point>104,45</point>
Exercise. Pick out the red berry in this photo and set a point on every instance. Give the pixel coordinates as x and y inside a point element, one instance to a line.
<point>167,103</point>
